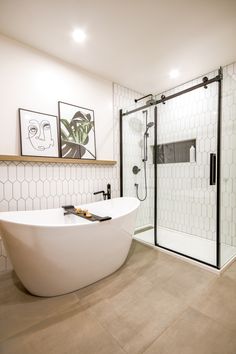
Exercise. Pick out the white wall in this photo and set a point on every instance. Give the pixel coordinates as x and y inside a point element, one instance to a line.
<point>33,80</point>
<point>26,186</point>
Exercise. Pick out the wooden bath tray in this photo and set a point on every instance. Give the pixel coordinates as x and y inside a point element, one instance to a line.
<point>69,209</point>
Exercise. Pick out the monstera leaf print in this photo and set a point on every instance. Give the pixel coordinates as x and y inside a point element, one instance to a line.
<point>75,135</point>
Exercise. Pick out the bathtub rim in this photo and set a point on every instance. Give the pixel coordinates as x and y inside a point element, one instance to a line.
<point>85,224</point>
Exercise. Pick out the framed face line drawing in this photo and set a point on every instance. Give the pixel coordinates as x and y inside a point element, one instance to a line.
<point>38,133</point>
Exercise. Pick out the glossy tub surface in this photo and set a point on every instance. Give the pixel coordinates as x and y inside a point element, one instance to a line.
<point>54,254</point>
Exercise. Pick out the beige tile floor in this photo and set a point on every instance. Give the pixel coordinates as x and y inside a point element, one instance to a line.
<point>154,304</point>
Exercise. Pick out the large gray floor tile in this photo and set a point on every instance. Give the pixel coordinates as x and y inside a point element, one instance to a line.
<point>137,323</point>
<point>153,265</point>
<point>75,332</point>
<point>20,310</point>
<point>154,302</point>
<point>230,272</point>
<point>194,333</point>
<point>123,286</point>
<point>219,302</point>
<point>140,256</point>
<point>188,281</point>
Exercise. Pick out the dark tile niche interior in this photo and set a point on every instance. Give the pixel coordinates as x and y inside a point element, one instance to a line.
<point>176,152</point>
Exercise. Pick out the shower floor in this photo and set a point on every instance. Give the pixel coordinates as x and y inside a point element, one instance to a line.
<point>190,245</point>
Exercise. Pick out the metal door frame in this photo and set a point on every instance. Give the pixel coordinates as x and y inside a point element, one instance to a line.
<point>205,82</point>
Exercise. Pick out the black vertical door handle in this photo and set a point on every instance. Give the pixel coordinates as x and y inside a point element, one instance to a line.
<point>212,169</point>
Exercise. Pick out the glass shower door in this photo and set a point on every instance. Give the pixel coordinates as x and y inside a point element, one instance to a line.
<point>186,183</point>
<point>138,171</point>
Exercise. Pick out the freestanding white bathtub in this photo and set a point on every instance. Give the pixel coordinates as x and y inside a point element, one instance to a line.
<point>54,254</point>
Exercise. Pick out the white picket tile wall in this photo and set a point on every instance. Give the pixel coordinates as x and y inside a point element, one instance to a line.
<point>185,201</point>
<point>134,127</point>
<point>28,186</point>
<point>228,180</point>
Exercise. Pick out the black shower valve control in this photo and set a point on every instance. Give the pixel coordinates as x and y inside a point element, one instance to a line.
<point>136,170</point>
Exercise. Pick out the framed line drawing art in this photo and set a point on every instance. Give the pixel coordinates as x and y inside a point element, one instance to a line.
<point>38,134</point>
<point>77,131</point>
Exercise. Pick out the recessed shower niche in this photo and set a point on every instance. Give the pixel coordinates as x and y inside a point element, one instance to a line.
<point>177,152</point>
<point>179,169</point>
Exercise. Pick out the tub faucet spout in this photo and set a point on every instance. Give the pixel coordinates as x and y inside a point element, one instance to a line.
<point>106,195</point>
<point>100,192</point>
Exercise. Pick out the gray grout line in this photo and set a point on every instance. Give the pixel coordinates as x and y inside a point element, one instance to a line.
<point>166,329</point>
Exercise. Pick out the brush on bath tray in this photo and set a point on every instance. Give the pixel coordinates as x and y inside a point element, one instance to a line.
<point>70,209</point>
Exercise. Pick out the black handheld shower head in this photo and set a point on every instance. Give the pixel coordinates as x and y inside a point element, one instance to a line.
<point>149,125</point>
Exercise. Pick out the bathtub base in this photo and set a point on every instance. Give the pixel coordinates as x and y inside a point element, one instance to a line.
<point>54,254</point>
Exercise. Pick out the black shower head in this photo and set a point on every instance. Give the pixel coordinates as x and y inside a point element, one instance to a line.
<point>149,125</point>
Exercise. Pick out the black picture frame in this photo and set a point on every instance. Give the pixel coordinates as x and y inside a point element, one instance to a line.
<point>39,133</point>
<point>77,131</point>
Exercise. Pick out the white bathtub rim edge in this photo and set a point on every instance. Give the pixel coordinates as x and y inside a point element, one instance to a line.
<point>67,225</point>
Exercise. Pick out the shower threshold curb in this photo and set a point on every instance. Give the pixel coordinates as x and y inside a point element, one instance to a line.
<point>189,260</point>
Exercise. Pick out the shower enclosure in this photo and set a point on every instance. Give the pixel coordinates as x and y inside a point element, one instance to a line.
<point>171,160</point>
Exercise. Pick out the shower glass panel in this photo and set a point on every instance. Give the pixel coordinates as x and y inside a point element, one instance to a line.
<point>228,164</point>
<point>187,191</point>
<point>138,171</point>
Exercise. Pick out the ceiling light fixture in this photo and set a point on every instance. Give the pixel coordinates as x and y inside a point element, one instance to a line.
<point>79,35</point>
<point>174,73</point>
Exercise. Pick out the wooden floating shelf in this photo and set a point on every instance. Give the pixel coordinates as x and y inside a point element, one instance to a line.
<point>55,160</point>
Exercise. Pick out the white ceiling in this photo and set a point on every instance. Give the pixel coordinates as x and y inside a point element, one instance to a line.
<point>132,42</point>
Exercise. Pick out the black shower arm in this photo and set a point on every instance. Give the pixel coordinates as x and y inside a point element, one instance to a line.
<point>141,98</point>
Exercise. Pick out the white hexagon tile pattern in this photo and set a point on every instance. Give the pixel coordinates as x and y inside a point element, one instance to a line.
<point>134,126</point>
<point>228,180</point>
<point>28,186</point>
<point>133,129</point>
<point>185,199</point>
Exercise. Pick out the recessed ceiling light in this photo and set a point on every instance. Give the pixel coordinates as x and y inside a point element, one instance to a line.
<point>174,73</point>
<point>79,35</point>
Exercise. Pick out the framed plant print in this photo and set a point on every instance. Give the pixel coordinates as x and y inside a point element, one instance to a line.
<point>77,130</point>
<point>38,133</point>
